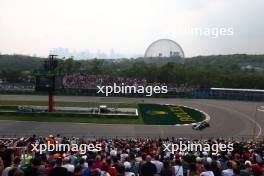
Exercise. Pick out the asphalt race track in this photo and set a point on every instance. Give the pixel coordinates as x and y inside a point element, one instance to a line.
<point>228,119</point>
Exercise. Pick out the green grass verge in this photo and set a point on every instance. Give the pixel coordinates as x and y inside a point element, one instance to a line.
<point>71,119</point>
<point>54,118</point>
<point>69,104</point>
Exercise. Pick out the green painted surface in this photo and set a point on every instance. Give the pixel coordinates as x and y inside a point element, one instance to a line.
<point>156,114</point>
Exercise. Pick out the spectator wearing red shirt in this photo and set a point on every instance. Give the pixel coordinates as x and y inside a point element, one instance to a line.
<point>98,163</point>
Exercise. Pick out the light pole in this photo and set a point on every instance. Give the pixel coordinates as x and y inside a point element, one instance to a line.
<point>52,65</point>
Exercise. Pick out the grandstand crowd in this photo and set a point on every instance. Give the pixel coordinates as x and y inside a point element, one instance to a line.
<point>128,157</point>
<point>86,81</point>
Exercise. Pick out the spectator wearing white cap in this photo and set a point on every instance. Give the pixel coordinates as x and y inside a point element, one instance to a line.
<point>247,171</point>
<point>127,166</point>
<point>67,164</point>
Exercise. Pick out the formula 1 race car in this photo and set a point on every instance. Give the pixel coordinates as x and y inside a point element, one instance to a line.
<point>201,125</point>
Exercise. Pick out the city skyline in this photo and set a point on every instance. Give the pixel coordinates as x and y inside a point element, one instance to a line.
<point>87,54</point>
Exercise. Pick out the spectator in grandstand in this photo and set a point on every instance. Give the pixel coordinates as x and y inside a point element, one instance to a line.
<point>127,166</point>
<point>77,171</point>
<point>58,169</point>
<point>6,155</point>
<point>158,164</point>
<point>137,156</point>
<point>192,170</point>
<point>246,169</point>
<point>215,168</point>
<point>178,168</point>
<point>207,171</point>
<point>36,168</point>
<point>111,169</point>
<point>82,163</point>
<point>257,156</point>
<point>13,170</point>
<point>104,170</point>
<point>229,171</point>
<point>256,170</point>
<point>120,170</point>
<point>1,166</point>
<point>134,164</point>
<point>67,164</point>
<point>98,163</point>
<point>148,168</point>
<point>167,169</point>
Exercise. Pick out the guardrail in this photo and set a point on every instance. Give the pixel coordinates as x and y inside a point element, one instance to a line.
<point>240,138</point>
<point>202,93</point>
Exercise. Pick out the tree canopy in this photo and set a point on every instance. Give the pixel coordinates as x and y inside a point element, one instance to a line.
<point>233,71</point>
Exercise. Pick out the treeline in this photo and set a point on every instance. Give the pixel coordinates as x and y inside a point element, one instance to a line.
<point>20,62</point>
<point>234,71</point>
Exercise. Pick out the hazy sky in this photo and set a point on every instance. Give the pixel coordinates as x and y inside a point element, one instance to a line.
<point>129,26</point>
